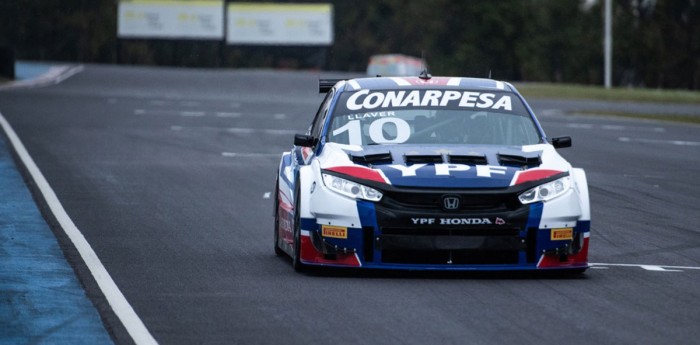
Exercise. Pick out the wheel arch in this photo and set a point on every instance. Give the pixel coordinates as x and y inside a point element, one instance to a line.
<point>581,184</point>
<point>305,179</point>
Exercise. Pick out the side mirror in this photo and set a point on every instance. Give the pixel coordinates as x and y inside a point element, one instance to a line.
<point>304,140</point>
<point>561,142</point>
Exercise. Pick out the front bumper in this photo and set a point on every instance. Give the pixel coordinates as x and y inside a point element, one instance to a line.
<point>492,233</point>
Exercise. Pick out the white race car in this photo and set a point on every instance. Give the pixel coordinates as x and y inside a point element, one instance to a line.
<point>434,173</point>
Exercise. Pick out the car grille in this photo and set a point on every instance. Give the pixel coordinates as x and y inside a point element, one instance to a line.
<point>490,256</point>
<point>449,232</point>
<point>453,257</point>
<point>433,201</point>
<point>400,239</point>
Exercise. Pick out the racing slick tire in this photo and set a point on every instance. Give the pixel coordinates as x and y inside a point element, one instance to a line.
<point>576,272</point>
<point>569,273</point>
<point>296,258</point>
<point>278,250</point>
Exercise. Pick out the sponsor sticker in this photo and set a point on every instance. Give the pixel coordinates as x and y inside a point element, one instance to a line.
<point>452,221</point>
<point>422,98</point>
<point>334,231</point>
<point>562,234</point>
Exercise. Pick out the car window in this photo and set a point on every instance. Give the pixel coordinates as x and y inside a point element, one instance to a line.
<point>317,123</point>
<point>431,117</point>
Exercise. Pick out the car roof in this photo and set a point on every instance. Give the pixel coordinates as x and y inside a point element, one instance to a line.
<point>394,83</point>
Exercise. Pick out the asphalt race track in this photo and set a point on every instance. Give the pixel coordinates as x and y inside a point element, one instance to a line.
<point>168,174</point>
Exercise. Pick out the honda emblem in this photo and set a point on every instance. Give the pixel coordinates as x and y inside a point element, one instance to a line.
<point>450,202</point>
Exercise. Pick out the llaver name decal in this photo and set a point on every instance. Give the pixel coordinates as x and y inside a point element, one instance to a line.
<point>434,98</point>
<point>456,221</point>
<point>370,115</point>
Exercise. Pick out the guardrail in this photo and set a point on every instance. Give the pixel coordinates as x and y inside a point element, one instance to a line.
<point>7,63</point>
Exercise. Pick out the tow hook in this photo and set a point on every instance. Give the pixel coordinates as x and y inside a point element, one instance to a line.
<point>329,250</point>
<point>568,249</point>
<point>562,252</point>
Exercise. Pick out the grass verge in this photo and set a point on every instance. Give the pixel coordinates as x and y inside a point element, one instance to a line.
<point>661,117</point>
<point>547,90</point>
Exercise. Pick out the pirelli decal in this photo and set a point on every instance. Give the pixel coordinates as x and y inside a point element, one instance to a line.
<point>562,234</point>
<point>334,231</point>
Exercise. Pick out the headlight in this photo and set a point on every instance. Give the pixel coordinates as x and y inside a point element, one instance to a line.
<point>547,191</point>
<point>351,189</point>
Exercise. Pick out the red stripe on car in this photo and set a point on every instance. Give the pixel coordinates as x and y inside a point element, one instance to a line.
<point>534,175</point>
<point>359,172</point>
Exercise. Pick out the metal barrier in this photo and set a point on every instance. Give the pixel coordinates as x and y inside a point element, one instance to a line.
<point>7,62</point>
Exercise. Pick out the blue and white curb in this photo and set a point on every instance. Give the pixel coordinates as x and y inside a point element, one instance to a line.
<point>31,75</point>
<point>41,300</point>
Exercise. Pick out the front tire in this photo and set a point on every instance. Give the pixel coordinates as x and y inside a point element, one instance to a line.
<point>296,258</point>
<point>278,250</point>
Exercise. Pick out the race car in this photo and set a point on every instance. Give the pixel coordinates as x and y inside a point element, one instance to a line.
<point>429,173</point>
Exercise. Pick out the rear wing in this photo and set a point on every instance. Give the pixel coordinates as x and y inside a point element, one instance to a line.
<point>325,85</point>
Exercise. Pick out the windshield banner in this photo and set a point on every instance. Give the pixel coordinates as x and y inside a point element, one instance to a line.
<point>449,99</point>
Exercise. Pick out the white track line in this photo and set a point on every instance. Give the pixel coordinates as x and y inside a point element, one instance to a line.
<point>648,267</point>
<point>126,314</point>
<point>656,141</point>
<point>54,75</point>
<point>249,155</point>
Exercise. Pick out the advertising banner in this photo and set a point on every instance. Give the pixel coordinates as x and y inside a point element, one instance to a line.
<point>279,24</point>
<point>171,19</point>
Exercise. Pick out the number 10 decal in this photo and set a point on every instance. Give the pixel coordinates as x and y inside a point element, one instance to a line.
<point>376,131</point>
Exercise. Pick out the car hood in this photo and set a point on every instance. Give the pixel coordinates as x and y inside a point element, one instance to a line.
<point>444,166</point>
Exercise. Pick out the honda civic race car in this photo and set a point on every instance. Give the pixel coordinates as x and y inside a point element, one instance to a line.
<point>433,173</point>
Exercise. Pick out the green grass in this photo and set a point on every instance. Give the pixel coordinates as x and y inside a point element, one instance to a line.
<point>569,91</point>
<point>662,117</point>
<point>547,90</point>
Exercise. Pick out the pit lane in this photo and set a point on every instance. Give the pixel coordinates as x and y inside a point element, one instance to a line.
<point>165,172</point>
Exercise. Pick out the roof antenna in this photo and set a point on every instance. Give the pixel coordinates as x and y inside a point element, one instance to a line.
<point>424,73</point>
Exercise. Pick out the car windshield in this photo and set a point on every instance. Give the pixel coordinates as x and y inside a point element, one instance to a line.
<point>431,117</point>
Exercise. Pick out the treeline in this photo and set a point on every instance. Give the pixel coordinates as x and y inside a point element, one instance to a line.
<point>656,42</point>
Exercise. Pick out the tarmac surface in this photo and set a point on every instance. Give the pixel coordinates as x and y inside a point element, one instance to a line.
<point>167,173</point>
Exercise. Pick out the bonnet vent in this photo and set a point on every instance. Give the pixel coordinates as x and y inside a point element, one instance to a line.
<point>428,159</point>
<point>519,161</point>
<point>467,159</point>
<point>373,159</point>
